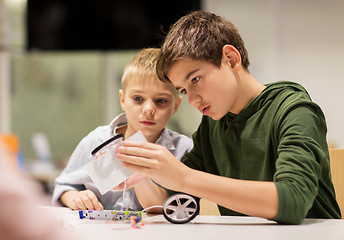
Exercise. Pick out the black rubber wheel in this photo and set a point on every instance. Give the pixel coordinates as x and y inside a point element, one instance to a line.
<point>180,208</point>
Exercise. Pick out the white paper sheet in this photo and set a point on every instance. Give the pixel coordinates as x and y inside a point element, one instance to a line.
<point>106,171</point>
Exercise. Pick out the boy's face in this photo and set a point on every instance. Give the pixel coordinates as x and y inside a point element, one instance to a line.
<point>149,105</point>
<point>211,90</point>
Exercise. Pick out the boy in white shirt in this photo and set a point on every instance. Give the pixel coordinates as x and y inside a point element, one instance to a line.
<point>149,105</point>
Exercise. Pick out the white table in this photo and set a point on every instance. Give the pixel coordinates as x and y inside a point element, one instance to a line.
<point>202,227</point>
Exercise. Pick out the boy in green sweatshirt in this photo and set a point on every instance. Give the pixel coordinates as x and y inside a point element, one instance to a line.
<point>260,150</point>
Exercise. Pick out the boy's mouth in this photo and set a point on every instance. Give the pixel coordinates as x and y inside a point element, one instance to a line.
<point>147,123</point>
<point>206,111</point>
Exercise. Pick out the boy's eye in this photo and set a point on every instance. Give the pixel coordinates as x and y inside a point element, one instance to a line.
<point>161,101</point>
<point>138,99</point>
<point>183,91</point>
<point>195,80</point>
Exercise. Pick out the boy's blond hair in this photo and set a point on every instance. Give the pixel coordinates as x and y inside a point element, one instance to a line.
<point>143,65</point>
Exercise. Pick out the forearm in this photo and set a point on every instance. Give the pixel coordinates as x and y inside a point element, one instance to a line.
<point>149,194</point>
<point>254,198</point>
<point>248,197</point>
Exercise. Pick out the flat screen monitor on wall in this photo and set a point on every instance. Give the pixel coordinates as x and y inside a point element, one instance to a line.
<point>62,25</point>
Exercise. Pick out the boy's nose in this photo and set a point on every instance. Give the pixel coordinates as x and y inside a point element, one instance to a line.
<point>149,108</point>
<point>194,99</point>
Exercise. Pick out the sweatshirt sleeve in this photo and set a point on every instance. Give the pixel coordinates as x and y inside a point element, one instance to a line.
<point>302,155</point>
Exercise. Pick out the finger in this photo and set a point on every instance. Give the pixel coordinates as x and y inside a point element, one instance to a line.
<point>134,151</point>
<point>72,205</point>
<point>146,145</point>
<point>139,169</point>
<point>79,204</point>
<point>119,187</point>
<point>94,201</point>
<point>87,201</point>
<point>135,160</point>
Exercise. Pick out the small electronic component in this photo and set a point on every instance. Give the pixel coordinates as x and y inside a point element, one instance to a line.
<point>136,222</point>
<point>114,215</point>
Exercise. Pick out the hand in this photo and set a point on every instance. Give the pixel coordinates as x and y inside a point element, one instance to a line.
<point>132,181</point>
<point>81,200</point>
<point>153,161</point>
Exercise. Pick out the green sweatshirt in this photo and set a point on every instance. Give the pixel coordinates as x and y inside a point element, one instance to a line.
<point>280,136</point>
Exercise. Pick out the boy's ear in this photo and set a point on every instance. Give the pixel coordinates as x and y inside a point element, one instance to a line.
<point>177,104</point>
<point>231,55</point>
<point>121,99</point>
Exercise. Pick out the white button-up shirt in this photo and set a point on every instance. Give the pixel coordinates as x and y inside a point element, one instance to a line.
<point>73,177</point>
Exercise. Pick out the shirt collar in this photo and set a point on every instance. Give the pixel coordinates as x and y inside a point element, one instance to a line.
<point>165,139</point>
<point>119,121</point>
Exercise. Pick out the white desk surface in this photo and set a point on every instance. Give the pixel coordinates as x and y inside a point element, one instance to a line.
<point>202,227</point>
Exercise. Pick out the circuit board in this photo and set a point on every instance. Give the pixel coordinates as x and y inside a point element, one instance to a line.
<point>114,215</point>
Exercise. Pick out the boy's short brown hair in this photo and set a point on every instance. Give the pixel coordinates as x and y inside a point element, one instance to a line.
<point>199,35</point>
<point>142,65</point>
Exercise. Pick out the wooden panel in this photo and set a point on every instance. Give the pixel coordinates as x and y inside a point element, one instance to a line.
<point>208,208</point>
<point>337,171</point>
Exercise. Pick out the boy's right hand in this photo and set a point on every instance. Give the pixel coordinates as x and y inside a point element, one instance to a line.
<point>81,200</point>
